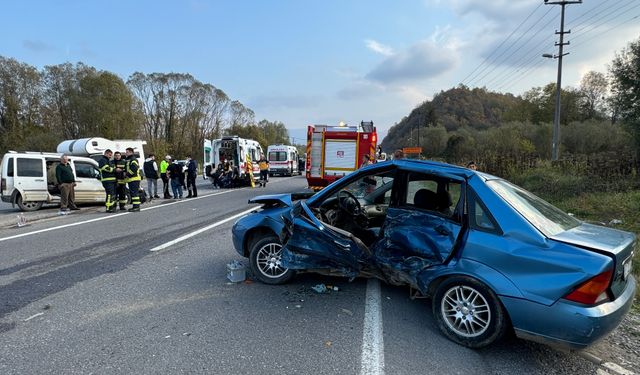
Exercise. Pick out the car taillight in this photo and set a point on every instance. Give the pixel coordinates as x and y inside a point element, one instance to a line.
<point>3,185</point>
<point>593,290</point>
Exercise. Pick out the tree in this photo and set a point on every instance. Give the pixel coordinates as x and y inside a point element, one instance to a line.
<point>593,91</point>
<point>625,87</point>
<point>20,95</point>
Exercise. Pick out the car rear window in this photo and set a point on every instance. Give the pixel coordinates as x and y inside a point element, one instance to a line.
<point>547,218</point>
<point>278,156</point>
<point>30,167</point>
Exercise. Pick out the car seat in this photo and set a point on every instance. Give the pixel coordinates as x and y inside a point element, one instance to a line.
<point>426,200</point>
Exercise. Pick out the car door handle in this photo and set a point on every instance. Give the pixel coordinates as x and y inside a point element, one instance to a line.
<point>39,180</point>
<point>442,230</point>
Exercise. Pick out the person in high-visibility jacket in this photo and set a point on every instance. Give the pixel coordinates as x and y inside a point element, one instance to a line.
<point>121,184</point>
<point>132,171</point>
<point>108,178</point>
<point>163,175</point>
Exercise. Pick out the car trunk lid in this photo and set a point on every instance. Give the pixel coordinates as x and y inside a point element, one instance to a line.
<point>617,244</point>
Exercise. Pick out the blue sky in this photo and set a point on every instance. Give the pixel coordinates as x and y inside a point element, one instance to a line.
<point>320,62</point>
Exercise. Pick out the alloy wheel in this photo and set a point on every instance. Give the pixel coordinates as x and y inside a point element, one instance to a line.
<point>465,311</point>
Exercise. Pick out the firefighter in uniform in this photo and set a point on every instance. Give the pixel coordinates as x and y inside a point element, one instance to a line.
<point>132,171</point>
<point>121,185</point>
<point>108,178</point>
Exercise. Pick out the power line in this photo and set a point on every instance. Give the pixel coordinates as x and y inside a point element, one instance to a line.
<point>607,20</point>
<point>521,46</point>
<point>589,11</point>
<point>526,60</point>
<point>503,42</point>
<point>606,31</point>
<point>614,8</point>
<point>514,43</point>
<point>522,76</point>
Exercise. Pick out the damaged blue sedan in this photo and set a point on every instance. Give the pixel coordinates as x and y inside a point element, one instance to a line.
<point>491,255</point>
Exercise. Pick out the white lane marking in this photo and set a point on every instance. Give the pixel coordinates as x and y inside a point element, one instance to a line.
<point>372,362</point>
<point>189,200</point>
<point>110,216</point>
<point>197,232</point>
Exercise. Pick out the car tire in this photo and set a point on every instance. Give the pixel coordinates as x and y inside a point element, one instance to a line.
<point>27,206</point>
<point>264,257</point>
<point>468,312</point>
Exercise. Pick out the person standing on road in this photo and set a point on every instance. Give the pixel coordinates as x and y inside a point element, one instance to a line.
<point>132,171</point>
<point>108,178</point>
<point>163,174</point>
<point>192,174</point>
<point>150,169</point>
<point>67,181</point>
<point>174,172</point>
<point>121,185</point>
<point>263,163</point>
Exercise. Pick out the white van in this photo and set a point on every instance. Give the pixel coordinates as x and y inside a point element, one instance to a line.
<point>28,179</point>
<point>283,160</point>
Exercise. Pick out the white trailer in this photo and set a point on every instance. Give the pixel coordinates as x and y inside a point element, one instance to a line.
<point>95,147</point>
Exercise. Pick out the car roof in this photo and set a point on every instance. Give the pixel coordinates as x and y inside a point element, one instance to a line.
<point>443,167</point>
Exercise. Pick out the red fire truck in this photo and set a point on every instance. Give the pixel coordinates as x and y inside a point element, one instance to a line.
<point>335,151</point>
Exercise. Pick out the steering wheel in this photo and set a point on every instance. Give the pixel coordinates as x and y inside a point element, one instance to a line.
<point>349,203</point>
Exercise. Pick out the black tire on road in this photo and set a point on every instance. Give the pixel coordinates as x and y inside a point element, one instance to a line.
<point>264,258</point>
<point>468,312</point>
<point>27,206</point>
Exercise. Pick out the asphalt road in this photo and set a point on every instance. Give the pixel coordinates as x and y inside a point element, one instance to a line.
<point>83,293</point>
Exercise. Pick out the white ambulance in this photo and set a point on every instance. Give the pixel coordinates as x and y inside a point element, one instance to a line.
<point>283,160</point>
<point>234,150</point>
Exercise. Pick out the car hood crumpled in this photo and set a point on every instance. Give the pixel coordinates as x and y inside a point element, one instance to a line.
<point>283,200</point>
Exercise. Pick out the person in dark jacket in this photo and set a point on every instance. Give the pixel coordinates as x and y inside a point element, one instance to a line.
<point>150,168</point>
<point>175,174</point>
<point>132,171</point>
<point>192,174</point>
<point>67,181</point>
<point>121,185</point>
<point>108,178</point>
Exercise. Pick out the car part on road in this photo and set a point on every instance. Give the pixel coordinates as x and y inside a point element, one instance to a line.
<point>266,261</point>
<point>468,312</point>
<point>236,272</point>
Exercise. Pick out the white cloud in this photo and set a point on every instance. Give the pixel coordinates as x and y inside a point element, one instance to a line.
<point>422,60</point>
<point>378,47</point>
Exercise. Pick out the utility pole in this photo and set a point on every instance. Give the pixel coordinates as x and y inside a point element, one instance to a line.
<point>555,144</point>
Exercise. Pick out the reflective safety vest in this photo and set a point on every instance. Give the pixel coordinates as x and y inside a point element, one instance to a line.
<point>132,169</point>
<point>107,169</point>
<point>121,176</point>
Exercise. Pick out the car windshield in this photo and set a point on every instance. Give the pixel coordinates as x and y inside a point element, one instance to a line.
<point>371,186</point>
<point>547,218</point>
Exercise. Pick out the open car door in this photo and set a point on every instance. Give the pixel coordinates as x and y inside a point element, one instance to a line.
<point>312,244</point>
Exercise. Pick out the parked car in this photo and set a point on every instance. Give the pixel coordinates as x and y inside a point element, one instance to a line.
<point>28,179</point>
<point>492,256</point>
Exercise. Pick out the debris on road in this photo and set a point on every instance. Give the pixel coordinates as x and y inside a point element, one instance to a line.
<point>186,334</point>
<point>236,272</point>
<point>348,312</point>
<point>320,288</point>
<point>22,221</point>
<point>615,222</point>
<point>327,344</point>
<point>33,316</point>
